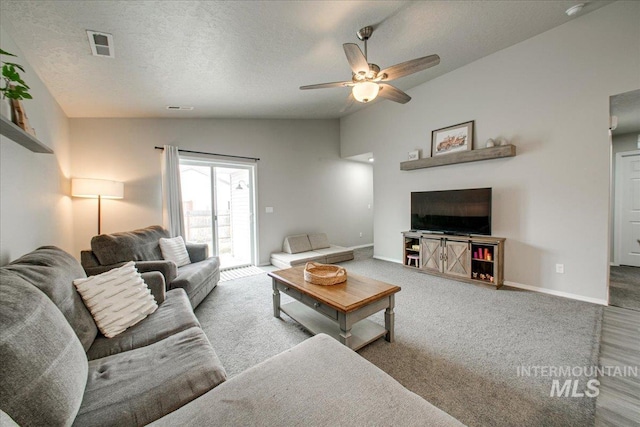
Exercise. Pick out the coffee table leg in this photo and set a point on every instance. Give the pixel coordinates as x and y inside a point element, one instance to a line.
<point>276,299</point>
<point>389,319</point>
<point>345,330</point>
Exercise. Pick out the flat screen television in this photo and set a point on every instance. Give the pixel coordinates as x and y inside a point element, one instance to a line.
<point>452,211</point>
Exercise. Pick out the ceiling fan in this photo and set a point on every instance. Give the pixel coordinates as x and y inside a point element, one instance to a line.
<point>367,81</point>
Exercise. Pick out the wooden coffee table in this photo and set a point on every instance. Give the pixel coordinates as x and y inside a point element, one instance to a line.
<point>341,310</point>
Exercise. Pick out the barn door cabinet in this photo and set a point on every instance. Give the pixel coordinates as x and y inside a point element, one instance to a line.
<point>474,259</point>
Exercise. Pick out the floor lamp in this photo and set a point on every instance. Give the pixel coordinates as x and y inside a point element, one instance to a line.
<point>97,189</point>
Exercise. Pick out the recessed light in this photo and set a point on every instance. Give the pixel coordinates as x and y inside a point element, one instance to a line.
<point>574,10</point>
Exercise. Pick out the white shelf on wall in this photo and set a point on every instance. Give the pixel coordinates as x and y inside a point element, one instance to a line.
<point>19,136</point>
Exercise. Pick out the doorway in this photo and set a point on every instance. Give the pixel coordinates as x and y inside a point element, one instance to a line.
<point>624,274</point>
<point>218,200</point>
<point>627,208</point>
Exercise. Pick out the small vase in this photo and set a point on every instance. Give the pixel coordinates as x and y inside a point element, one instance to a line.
<point>5,108</point>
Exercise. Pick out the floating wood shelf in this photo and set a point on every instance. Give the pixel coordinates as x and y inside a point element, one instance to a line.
<point>461,157</point>
<point>19,136</point>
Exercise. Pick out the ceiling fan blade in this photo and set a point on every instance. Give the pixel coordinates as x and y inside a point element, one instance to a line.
<point>393,93</point>
<point>350,101</point>
<point>356,58</point>
<point>410,67</point>
<point>325,85</point>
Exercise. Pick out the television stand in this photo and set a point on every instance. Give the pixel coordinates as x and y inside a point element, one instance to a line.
<point>473,259</point>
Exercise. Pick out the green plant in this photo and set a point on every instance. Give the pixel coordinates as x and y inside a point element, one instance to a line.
<point>14,86</point>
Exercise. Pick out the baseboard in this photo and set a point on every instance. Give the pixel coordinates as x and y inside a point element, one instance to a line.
<point>381,258</point>
<point>614,264</point>
<point>368,245</point>
<point>527,287</point>
<point>556,293</point>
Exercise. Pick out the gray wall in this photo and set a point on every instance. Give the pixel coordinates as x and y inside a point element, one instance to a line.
<point>300,175</point>
<point>624,142</point>
<point>35,208</point>
<point>549,95</point>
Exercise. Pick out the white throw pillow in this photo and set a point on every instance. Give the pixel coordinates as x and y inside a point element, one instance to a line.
<point>175,250</point>
<point>117,299</point>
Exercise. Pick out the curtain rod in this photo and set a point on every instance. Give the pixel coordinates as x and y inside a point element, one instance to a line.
<point>213,154</point>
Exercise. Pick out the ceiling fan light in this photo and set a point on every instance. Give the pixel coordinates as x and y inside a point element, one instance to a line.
<point>365,91</point>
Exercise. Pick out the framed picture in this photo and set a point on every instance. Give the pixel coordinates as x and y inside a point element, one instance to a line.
<point>452,139</point>
<point>414,155</point>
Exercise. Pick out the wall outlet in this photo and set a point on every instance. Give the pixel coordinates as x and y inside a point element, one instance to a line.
<point>268,209</point>
<point>361,234</point>
<point>560,268</point>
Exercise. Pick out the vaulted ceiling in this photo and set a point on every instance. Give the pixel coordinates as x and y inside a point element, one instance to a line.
<point>247,59</point>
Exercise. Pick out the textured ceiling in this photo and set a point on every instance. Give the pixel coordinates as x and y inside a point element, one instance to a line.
<point>246,59</point>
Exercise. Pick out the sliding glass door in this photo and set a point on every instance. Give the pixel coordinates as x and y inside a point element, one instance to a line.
<point>218,202</point>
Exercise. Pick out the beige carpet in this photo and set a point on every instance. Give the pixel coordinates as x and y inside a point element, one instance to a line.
<point>457,345</point>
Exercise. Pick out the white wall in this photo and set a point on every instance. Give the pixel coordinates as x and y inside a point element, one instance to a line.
<point>300,174</point>
<point>35,208</point>
<point>549,95</point>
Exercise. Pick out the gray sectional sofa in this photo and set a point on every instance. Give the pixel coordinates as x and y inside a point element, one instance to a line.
<point>302,248</point>
<point>57,370</point>
<point>110,251</point>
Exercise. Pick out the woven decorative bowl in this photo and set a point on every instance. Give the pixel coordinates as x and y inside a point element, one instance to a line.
<point>323,274</point>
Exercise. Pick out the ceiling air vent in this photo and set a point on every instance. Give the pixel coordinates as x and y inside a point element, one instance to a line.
<point>101,44</point>
<point>178,107</point>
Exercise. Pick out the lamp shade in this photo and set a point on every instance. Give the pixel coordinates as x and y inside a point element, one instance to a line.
<point>365,91</point>
<point>86,187</point>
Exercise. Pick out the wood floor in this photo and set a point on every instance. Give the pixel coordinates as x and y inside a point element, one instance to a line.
<point>618,403</point>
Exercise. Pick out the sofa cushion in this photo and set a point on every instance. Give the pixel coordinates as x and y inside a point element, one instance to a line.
<point>137,245</point>
<point>43,366</point>
<point>285,260</point>
<point>197,251</point>
<point>139,386</point>
<point>52,270</point>
<point>195,276</point>
<point>174,249</point>
<point>318,382</point>
<point>117,299</point>
<point>296,244</point>
<point>339,257</point>
<point>336,254</point>
<point>318,241</point>
<point>173,315</point>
